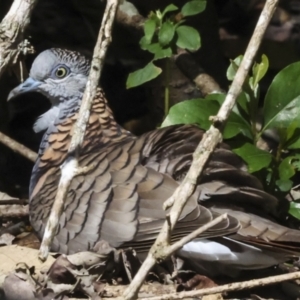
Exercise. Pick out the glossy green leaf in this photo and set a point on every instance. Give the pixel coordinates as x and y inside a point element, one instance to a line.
<point>243,102</point>
<point>169,8</point>
<point>295,209</point>
<point>234,65</point>
<point>294,141</point>
<point>284,185</point>
<point>236,125</point>
<point>283,114</point>
<point>256,158</point>
<point>149,72</point>
<point>166,33</point>
<point>149,30</point>
<point>290,131</point>
<point>282,101</point>
<point>259,70</point>
<point>195,111</point>
<point>187,38</point>
<point>193,7</point>
<point>286,169</point>
<point>290,137</point>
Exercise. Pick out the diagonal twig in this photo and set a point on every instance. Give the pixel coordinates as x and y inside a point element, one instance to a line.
<point>17,147</point>
<point>208,143</point>
<point>71,167</point>
<point>237,286</point>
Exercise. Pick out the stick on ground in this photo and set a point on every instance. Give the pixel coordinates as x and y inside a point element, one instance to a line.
<point>237,286</point>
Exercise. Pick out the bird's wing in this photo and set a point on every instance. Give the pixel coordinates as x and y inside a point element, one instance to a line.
<point>119,199</point>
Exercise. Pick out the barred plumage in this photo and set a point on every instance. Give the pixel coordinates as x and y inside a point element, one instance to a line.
<point>120,198</point>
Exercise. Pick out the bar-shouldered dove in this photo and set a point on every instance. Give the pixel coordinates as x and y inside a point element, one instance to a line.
<point>120,198</point>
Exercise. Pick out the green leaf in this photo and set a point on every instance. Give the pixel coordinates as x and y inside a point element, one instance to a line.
<point>195,111</point>
<point>163,53</point>
<point>166,33</point>
<point>281,115</point>
<point>153,48</point>
<point>234,65</point>
<point>260,70</point>
<point>293,136</point>
<point>243,102</point>
<point>236,125</point>
<point>193,7</point>
<point>187,38</point>
<point>158,51</point>
<point>296,162</point>
<point>282,102</point>
<point>284,185</point>
<point>169,8</point>
<point>256,158</point>
<point>285,169</point>
<point>149,29</point>
<point>295,209</point>
<point>149,72</point>
<point>290,131</point>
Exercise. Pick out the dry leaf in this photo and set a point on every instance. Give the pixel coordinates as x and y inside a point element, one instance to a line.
<point>10,256</point>
<point>6,239</point>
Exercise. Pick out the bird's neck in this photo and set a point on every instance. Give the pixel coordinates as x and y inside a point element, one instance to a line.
<point>101,129</point>
<point>106,121</point>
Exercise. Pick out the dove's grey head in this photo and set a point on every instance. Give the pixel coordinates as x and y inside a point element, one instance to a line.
<point>60,75</point>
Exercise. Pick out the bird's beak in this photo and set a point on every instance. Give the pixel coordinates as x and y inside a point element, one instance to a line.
<point>29,85</point>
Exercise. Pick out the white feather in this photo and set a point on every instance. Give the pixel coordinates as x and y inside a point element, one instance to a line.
<point>46,119</point>
<point>248,257</point>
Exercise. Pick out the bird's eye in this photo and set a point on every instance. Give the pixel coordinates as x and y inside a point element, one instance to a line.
<point>61,72</point>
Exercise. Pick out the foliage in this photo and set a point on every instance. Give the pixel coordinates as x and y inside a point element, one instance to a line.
<point>281,113</point>
<point>163,32</point>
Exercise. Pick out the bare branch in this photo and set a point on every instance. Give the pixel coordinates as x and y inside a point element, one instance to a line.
<point>176,246</point>
<point>13,211</point>
<point>14,201</point>
<point>237,286</point>
<point>70,167</point>
<point>12,29</point>
<point>17,147</point>
<point>129,16</point>
<point>192,70</point>
<point>204,149</point>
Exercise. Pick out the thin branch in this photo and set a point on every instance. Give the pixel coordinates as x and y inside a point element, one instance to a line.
<point>12,29</point>
<point>176,246</point>
<point>237,286</point>
<point>17,147</point>
<point>204,149</point>
<point>14,201</point>
<point>70,167</point>
<point>13,211</point>
<point>129,16</point>
<point>192,70</point>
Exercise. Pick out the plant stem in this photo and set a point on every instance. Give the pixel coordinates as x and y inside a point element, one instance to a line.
<point>254,132</point>
<point>275,167</point>
<point>167,86</point>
